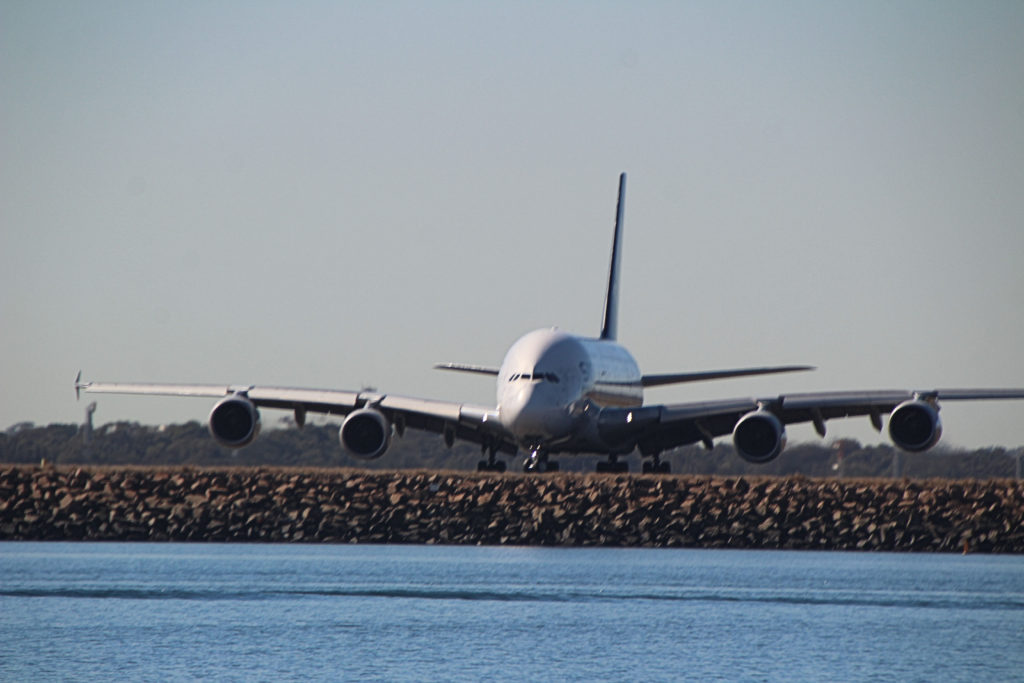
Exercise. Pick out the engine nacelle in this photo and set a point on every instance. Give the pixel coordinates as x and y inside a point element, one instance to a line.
<point>759,437</point>
<point>234,422</point>
<point>365,433</point>
<point>915,426</point>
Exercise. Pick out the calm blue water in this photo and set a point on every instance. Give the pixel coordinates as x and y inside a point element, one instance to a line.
<point>166,612</point>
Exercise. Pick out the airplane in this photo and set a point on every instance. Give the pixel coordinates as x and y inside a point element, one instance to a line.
<point>561,393</point>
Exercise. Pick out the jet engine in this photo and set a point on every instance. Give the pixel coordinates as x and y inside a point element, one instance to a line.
<point>915,426</point>
<point>759,437</point>
<point>365,433</point>
<point>234,422</point>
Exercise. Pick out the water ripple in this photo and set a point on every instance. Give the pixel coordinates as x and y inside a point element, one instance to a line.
<point>838,597</point>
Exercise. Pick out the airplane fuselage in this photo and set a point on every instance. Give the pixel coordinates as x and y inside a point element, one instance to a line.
<point>552,385</point>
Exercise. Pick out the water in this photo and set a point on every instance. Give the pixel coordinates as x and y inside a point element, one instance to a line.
<point>147,612</point>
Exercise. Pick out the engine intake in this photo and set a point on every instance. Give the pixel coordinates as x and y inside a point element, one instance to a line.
<point>915,426</point>
<point>759,437</point>
<point>366,433</point>
<point>234,422</point>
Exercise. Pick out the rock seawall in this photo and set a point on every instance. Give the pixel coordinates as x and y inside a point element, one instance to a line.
<point>355,506</point>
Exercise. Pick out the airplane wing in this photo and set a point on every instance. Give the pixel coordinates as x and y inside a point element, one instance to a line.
<point>662,427</point>
<point>462,367</point>
<point>680,377</point>
<point>477,424</point>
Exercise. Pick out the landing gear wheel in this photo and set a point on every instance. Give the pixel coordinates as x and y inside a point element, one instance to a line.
<point>613,466</point>
<point>491,464</point>
<point>656,466</point>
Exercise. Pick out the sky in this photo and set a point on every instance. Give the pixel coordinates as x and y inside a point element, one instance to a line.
<point>341,194</point>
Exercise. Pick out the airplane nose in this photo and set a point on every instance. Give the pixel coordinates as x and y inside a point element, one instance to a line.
<point>528,411</point>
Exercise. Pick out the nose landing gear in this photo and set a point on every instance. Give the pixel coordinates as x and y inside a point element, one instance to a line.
<point>491,464</point>
<point>537,462</point>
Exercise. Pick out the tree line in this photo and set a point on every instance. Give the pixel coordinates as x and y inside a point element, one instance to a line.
<point>316,445</point>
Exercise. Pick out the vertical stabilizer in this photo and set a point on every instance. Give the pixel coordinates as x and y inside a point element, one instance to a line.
<point>610,324</point>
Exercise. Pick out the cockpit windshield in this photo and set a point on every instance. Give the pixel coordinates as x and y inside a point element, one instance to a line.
<point>535,377</point>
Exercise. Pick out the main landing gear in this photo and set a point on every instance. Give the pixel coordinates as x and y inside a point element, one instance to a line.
<point>491,464</point>
<point>537,462</point>
<point>613,465</point>
<point>656,466</point>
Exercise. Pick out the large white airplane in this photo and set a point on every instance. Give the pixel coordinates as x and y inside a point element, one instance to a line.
<point>562,393</point>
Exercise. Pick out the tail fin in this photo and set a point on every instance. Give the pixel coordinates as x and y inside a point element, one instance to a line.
<point>610,324</point>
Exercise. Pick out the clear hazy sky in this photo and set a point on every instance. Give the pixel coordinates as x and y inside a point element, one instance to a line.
<point>332,194</point>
